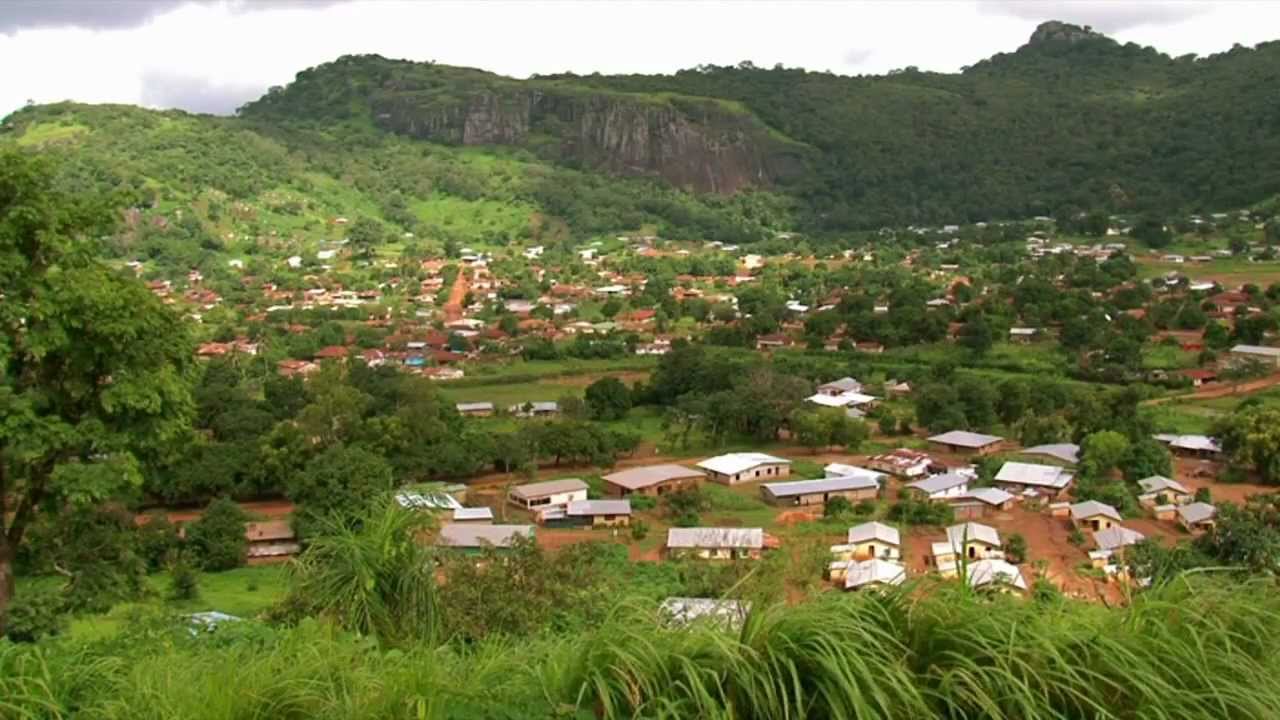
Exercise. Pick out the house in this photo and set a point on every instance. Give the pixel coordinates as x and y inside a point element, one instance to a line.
<point>1197,516</point>
<point>1240,354</point>
<point>1032,479</point>
<point>1022,334</point>
<point>1112,542</point>
<point>550,492</point>
<point>291,368</point>
<point>836,470</point>
<point>844,400</point>
<point>600,513</point>
<point>840,387</point>
<point>443,373</point>
<point>853,488</point>
<point>967,541</point>
<point>966,443</point>
<point>711,543</point>
<point>981,502</point>
<point>734,468</point>
<point>939,487</point>
<point>541,408</point>
<point>477,536</point>
<point>902,463</point>
<point>1160,490</point>
<point>870,540</point>
<point>270,541</point>
<point>1200,376</point>
<point>868,574</point>
<point>475,409</point>
<point>995,574</point>
<point>652,480</point>
<point>1068,453</point>
<point>481,515</point>
<point>1094,515</point>
<point>770,342</point>
<point>684,611</point>
<point>1201,446</point>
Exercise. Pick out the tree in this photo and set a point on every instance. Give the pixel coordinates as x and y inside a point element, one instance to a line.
<point>977,335</point>
<point>1145,458</point>
<point>1102,452</point>
<point>95,373</point>
<point>1153,232</point>
<point>1251,438</point>
<point>217,540</point>
<point>341,481</point>
<point>1015,548</point>
<point>608,399</point>
<point>365,235</point>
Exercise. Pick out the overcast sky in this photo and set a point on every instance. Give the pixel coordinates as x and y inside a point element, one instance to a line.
<point>213,55</point>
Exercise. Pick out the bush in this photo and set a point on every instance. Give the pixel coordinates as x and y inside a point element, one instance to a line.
<point>1015,548</point>
<point>184,580</point>
<point>639,529</point>
<point>36,614</point>
<point>911,511</point>
<point>888,424</point>
<point>837,506</point>
<point>157,541</point>
<point>643,502</point>
<point>217,539</point>
<point>1076,537</point>
<point>1204,495</point>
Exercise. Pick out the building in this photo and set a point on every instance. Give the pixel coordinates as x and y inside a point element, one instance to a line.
<point>853,488</point>
<point>653,480</point>
<point>870,540</point>
<point>1241,354</point>
<point>995,574</point>
<point>968,541</point>
<point>544,494</point>
<point>482,515</point>
<point>270,541</point>
<point>710,543</point>
<point>735,468</point>
<point>963,442</point>
<point>840,387</point>
<point>939,487</point>
<point>1032,480</point>
<point>476,536</point>
<point>1160,490</point>
<point>981,502</point>
<point>902,463</point>
<point>848,400</point>
<point>1197,516</point>
<point>1201,446</point>
<point>475,409</point>
<point>542,408</point>
<point>869,574</point>
<point>600,513</point>
<point>1068,453</point>
<point>1094,515</point>
<point>835,470</point>
<point>1111,543</point>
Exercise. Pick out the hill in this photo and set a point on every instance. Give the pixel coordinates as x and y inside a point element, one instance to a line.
<point>1070,121</point>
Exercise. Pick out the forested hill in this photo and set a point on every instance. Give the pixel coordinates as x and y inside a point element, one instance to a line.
<point>1070,121</point>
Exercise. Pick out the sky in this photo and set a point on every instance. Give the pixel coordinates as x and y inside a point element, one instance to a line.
<point>214,55</point>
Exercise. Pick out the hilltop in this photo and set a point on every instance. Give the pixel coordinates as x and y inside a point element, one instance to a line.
<point>1071,121</point>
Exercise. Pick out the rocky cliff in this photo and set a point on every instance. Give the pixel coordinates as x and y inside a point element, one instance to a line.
<point>693,144</point>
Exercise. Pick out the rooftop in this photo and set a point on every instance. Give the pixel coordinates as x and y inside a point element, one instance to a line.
<point>642,477</point>
<point>874,531</point>
<point>939,483</point>
<point>995,572</point>
<point>1160,483</point>
<point>958,535</point>
<point>824,485</point>
<point>477,513</point>
<point>712,538</point>
<point>734,463</point>
<point>1050,476</point>
<point>1066,452</point>
<point>549,487</point>
<point>874,572</point>
<point>1117,537</point>
<point>467,535</point>
<point>599,507</point>
<point>1093,508</point>
<point>1197,512</point>
<point>964,438</point>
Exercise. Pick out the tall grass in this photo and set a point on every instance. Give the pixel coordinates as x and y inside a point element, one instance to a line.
<point>1202,649</point>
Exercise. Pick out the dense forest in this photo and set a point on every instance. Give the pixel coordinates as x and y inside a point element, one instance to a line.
<point>1072,121</point>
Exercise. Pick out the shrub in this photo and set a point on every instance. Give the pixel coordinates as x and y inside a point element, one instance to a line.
<point>911,511</point>
<point>36,614</point>
<point>1015,548</point>
<point>643,502</point>
<point>217,539</point>
<point>888,424</point>
<point>157,541</point>
<point>184,580</point>
<point>837,506</point>
<point>1204,495</point>
<point>639,529</point>
<point>1076,537</point>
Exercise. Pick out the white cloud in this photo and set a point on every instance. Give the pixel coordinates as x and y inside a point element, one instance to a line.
<point>1106,16</point>
<point>212,55</point>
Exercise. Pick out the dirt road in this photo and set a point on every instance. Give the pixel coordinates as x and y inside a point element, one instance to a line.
<point>453,308</point>
<point>1217,390</point>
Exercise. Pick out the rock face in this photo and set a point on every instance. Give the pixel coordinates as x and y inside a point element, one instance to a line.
<point>1054,31</point>
<point>694,144</point>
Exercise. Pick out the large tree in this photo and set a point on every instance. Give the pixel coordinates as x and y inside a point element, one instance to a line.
<point>95,373</point>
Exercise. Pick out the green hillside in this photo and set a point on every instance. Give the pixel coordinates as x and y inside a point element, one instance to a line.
<point>1071,121</point>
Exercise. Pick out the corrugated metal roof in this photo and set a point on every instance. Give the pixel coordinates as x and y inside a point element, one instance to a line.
<point>711,538</point>
<point>734,463</point>
<point>479,513</point>
<point>994,572</point>
<point>844,384</point>
<point>643,477</point>
<point>939,483</point>
<point>874,531</point>
<point>988,495</point>
<point>1196,512</point>
<point>1093,508</point>
<point>467,406</point>
<point>964,438</point>
<point>467,535</point>
<point>1256,350</point>
<point>549,487</point>
<point>1117,537</point>
<point>1159,483</point>
<point>958,535</point>
<point>824,485</point>
<point>1050,476</point>
<point>874,572</point>
<point>579,508</point>
<point>1066,452</point>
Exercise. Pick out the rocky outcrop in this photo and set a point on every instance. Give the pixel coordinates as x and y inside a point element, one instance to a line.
<point>692,143</point>
<point>1055,31</point>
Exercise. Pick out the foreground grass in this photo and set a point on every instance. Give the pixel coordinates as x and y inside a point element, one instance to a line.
<point>1194,649</point>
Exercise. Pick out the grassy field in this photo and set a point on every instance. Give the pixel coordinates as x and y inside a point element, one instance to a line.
<point>243,592</point>
<point>1230,272</point>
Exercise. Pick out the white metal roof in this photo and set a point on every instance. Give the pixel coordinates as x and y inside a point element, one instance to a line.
<point>842,470</point>
<point>939,483</point>
<point>713,538</point>
<point>958,535</point>
<point>1117,537</point>
<point>473,535</point>
<point>1049,476</point>
<point>549,487</point>
<point>875,531</point>
<point>874,572</point>
<point>983,573</point>
<point>599,507</point>
<point>1066,452</point>
<point>478,513</point>
<point>988,495</point>
<point>642,477</point>
<point>1092,508</point>
<point>1256,350</point>
<point>734,463</point>
<point>844,384</point>
<point>1160,483</point>
<point>1196,512</point>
